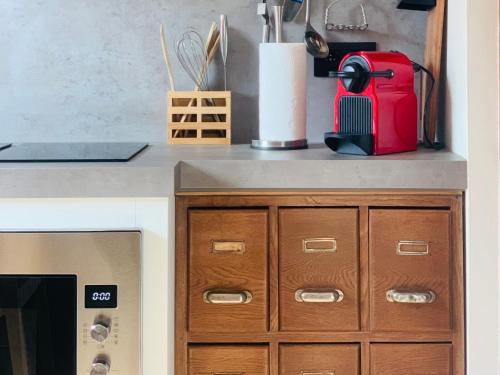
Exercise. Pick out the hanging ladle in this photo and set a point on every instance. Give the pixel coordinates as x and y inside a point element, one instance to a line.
<point>315,43</point>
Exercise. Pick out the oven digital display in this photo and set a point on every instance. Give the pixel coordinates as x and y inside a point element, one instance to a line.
<point>101,296</point>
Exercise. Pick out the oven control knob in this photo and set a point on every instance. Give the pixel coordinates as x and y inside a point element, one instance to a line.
<point>100,367</point>
<point>100,331</point>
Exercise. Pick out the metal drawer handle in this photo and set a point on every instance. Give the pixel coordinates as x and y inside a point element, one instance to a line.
<point>411,297</point>
<point>227,298</point>
<point>228,247</point>
<point>319,296</point>
<point>228,373</point>
<point>413,248</point>
<point>328,372</point>
<point>313,245</point>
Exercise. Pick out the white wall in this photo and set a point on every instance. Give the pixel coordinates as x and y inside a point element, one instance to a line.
<point>473,121</point>
<point>483,198</point>
<point>456,78</point>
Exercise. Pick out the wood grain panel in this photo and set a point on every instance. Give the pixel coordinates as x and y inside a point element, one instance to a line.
<point>273,270</point>
<point>320,359</point>
<point>181,292</point>
<point>321,269</point>
<point>390,270</point>
<point>427,343</point>
<point>433,62</point>
<point>229,360</point>
<point>411,359</point>
<point>364,264</point>
<point>457,238</point>
<point>320,337</point>
<point>228,272</point>
<point>342,199</point>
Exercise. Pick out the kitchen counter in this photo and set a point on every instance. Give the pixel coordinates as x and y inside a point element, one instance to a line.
<point>160,171</point>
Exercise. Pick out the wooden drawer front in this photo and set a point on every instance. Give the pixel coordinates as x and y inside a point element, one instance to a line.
<point>319,359</point>
<point>411,359</point>
<point>410,270</point>
<point>228,271</point>
<point>228,360</point>
<point>318,269</point>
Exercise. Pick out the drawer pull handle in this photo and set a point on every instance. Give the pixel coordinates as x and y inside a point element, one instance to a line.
<point>227,298</point>
<point>228,373</point>
<point>319,245</point>
<point>328,372</point>
<point>319,296</point>
<point>228,247</point>
<point>413,248</point>
<point>411,297</point>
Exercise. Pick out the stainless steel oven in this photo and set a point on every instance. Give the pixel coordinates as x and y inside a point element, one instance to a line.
<point>70,303</point>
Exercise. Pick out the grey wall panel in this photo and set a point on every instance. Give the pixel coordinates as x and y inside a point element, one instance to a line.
<point>92,70</point>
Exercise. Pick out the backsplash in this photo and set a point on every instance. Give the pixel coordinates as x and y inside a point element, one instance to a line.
<point>93,70</point>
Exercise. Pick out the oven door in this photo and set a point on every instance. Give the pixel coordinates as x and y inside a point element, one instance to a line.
<point>70,303</point>
<point>38,325</point>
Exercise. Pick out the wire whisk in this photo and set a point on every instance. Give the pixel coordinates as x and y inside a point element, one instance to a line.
<point>192,56</point>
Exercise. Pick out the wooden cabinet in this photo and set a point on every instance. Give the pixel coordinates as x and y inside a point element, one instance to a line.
<point>228,270</point>
<point>319,284</point>
<point>228,360</point>
<point>411,359</point>
<point>319,359</point>
<point>410,268</point>
<point>318,269</point>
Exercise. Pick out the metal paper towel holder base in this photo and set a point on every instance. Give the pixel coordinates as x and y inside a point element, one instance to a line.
<point>280,145</point>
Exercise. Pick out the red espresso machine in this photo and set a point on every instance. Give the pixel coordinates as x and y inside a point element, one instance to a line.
<point>376,108</point>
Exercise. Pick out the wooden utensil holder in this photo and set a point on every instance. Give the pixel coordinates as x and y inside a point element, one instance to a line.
<point>199,117</point>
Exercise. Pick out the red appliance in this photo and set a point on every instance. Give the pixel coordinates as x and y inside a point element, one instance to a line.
<point>376,108</point>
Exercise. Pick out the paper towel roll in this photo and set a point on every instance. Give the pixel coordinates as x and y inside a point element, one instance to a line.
<point>283,92</point>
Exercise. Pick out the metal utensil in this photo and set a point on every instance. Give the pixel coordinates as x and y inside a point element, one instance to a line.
<point>193,58</point>
<point>166,58</point>
<point>262,11</point>
<point>315,43</point>
<point>224,44</point>
<point>292,8</point>
<point>278,22</point>
<point>266,33</point>
<point>332,26</point>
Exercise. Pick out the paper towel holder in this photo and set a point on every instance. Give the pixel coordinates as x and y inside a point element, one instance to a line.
<point>282,97</point>
<point>280,145</point>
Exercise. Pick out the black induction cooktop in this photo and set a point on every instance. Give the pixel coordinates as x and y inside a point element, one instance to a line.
<point>69,152</point>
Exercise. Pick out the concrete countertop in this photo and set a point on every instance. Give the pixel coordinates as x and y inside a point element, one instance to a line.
<point>160,171</point>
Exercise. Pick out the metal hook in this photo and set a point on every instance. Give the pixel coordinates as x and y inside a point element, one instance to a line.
<point>330,26</point>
